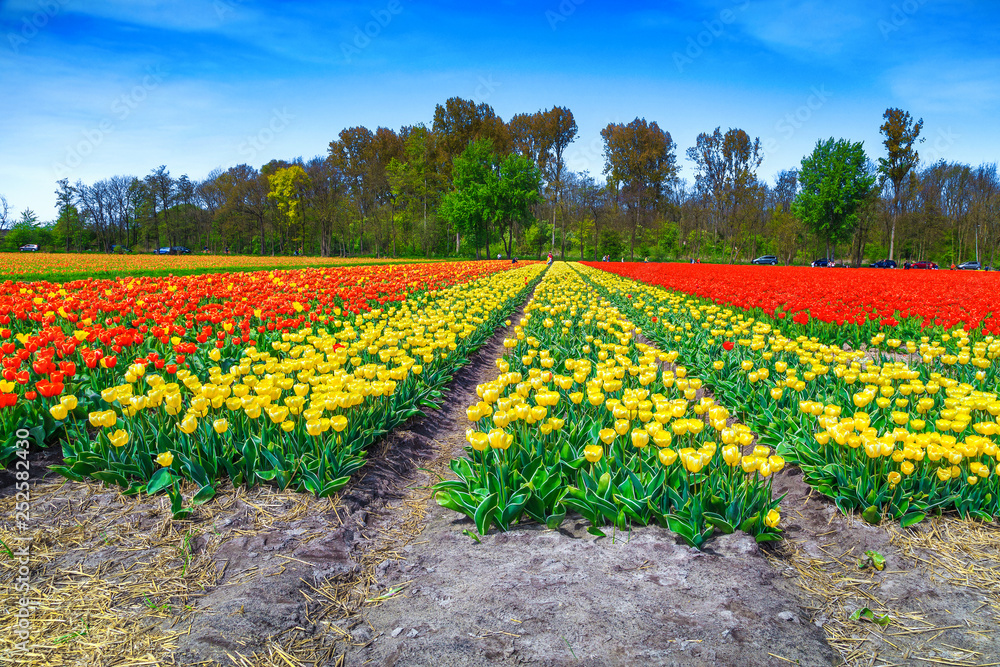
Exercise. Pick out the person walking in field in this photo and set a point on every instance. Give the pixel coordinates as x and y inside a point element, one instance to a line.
<point>549,262</point>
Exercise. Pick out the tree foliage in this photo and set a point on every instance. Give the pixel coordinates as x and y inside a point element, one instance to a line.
<point>835,180</point>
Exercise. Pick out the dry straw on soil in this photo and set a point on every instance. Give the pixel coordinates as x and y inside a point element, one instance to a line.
<point>944,551</point>
<point>117,580</point>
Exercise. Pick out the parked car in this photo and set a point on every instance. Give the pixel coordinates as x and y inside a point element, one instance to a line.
<point>30,247</point>
<point>924,265</point>
<point>165,250</point>
<point>766,259</point>
<point>884,264</point>
<point>181,250</point>
<point>823,261</point>
<point>970,266</point>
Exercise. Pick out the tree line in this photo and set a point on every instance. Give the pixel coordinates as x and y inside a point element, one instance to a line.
<point>471,184</point>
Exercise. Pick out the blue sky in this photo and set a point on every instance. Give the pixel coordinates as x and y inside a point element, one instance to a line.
<point>94,88</point>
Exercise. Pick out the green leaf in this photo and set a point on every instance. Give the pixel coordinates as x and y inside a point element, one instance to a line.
<point>872,515</point>
<point>556,518</point>
<point>724,526</point>
<point>204,494</point>
<point>767,537</point>
<point>110,478</point>
<point>485,512</point>
<point>160,480</point>
<point>471,534</point>
<point>866,614</point>
<point>333,486</point>
<point>67,473</point>
<point>594,530</point>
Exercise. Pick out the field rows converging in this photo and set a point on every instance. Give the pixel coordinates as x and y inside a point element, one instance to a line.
<point>582,418</point>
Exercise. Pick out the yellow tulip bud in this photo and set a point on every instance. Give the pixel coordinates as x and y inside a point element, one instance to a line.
<point>667,457</point>
<point>593,453</point>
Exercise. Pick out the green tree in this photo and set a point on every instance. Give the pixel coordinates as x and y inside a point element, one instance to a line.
<point>834,181</point>
<point>492,194</point>
<point>512,187</point>
<point>465,206</point>
<point>900,132</point>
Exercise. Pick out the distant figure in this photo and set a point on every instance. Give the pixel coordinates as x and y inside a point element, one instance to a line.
<point>906,266</point>
<point>953,266</point>
<point>549,262</point>
<point>692,260</point>
<point>646,260</point>
<point>514,261</point>
<point>498,255</point>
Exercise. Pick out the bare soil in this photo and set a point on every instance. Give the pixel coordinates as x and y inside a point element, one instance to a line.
<point>382,575</point>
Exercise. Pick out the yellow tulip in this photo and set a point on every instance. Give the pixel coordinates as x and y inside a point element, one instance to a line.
<point>69,402</point>
<point>593,453</point>
<point>667,457</point>
<point>165,459</point>
<point>479,440</point>
<point>313,427</point>
<point>731,455</point>
<point>640,438</point>
<point>500,439</point>
<point>607,435</point>
<point>58,411</point>
<point>277,413</point>
<point>220,426</point>
<point>119,438</point>
<point>338,423</point>
<point>772,519</point>
<point>188,424</point>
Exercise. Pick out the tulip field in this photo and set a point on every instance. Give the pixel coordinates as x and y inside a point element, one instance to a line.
<point>48,266</point>
<point>286,377</point>
<point>273,376</point>
<point>610,398</point>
